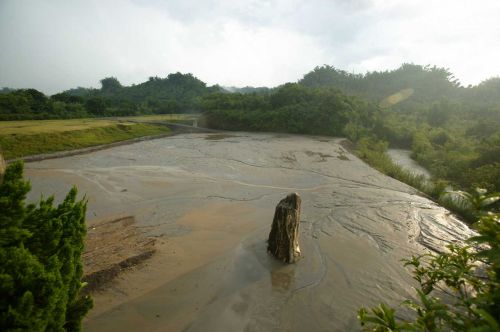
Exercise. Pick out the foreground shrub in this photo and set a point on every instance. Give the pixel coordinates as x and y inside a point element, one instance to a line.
<point>40,259</point>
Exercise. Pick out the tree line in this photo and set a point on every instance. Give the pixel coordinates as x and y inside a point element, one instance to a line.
<point>176,93</point>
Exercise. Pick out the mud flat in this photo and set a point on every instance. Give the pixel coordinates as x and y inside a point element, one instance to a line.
<point>208,201</point>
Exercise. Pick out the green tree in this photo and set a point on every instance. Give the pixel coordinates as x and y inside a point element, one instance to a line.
<point>40,259</point>
<point>96,106</point>
<point>110,85</point>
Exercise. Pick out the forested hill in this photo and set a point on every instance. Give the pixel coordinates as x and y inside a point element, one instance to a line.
<point>425,82</point>
<point>177,93</point>
<point>428,83</point>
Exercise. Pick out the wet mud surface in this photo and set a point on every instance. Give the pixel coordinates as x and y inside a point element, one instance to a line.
<point>209,203</point>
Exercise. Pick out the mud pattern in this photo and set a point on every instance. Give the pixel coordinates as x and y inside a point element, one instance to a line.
<point>209,204</point>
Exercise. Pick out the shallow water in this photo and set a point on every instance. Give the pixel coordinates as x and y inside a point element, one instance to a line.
<point>211,200</point>
<point>403,158</point>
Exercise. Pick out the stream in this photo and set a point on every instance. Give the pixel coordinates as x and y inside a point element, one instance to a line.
<point>403,158</point>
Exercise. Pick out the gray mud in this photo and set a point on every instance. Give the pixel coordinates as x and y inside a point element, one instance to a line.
<point>211,202</point>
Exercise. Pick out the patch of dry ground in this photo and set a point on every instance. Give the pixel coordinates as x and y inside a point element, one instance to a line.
<point>111,247</point>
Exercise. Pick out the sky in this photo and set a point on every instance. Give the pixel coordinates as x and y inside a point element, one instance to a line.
<point>54,45</point>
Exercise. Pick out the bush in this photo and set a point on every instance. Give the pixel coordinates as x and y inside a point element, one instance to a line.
<point>40,259</point>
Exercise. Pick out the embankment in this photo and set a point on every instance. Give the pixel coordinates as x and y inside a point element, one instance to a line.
<point>16,146</point>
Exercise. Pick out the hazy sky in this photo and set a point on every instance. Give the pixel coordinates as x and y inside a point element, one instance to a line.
<point>56,45</point>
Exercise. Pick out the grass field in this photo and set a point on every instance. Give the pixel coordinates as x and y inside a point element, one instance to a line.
<point>50,126</point>
<point>25,138</point>
<point>31,127</point>
<point>163,117</point>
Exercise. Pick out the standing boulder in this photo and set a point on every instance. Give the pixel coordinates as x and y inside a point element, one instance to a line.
<point>2,167</point>
<point>283,242</point>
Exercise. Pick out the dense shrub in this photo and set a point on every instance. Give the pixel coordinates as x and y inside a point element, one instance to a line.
<point>40,259</point>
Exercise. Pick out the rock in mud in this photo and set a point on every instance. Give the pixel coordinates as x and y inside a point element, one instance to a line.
<point>2,167</point>
<point>283,242</point>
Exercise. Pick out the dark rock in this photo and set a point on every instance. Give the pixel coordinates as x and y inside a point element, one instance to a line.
<point>283,242</point>
<point>2,167</point>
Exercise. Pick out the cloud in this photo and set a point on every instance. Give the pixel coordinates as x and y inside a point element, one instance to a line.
<point>56,45</point>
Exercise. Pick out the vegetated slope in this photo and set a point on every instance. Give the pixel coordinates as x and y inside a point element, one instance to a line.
<point>26,144</point>
<point>428,83</point>
<point>454,133</point>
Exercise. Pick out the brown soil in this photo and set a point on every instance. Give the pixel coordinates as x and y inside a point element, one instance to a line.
<point>111,247</point>
<point>217,137</point>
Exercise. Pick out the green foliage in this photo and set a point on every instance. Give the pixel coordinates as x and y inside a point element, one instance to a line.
<point>16,104</point>
<point>374,153</point>
<point>429,83</point>
<point>471,203</point>
<point>177,93</point>
<point>110,85</point>
<point>291,108</point>
<point>459,290</point>
<point>234,101</point>
<point>40,259</point>
<point>453,131</point>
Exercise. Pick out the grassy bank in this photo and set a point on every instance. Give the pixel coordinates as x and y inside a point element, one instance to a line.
<point>30,127</point>
<point>54,136</point>
<point>49,126</point>
<point>375,154</point>
<point>163,117</point>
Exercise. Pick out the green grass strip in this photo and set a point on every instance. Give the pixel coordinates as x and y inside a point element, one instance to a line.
<point>20,145</point>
